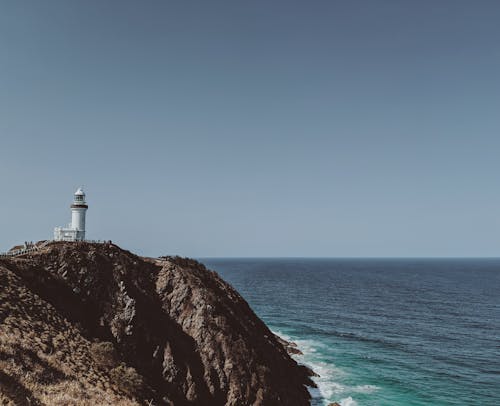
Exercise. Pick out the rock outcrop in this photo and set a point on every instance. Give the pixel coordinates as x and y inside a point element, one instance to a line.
<point>85,323</point>
<point>289,346</point>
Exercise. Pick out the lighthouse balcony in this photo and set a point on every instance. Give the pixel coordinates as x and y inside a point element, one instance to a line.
<point>79,206</point>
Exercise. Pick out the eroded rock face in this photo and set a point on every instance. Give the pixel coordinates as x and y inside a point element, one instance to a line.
<point>189,335</point>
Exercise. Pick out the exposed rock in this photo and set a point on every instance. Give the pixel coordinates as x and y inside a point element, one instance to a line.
<point>310,372</point>
<point>93,324</point>
<point>292,349</point>
<point>290,346</point>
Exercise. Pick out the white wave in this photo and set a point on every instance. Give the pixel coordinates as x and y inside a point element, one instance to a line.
<point>365,388</point>
<point>330,388</point>
<point>282,335</point>
<point>348,402</point>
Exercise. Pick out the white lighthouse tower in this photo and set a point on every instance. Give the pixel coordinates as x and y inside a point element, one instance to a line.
<point>76,229</point>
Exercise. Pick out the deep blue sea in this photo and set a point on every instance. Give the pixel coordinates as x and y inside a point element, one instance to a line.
<point>383,331</point>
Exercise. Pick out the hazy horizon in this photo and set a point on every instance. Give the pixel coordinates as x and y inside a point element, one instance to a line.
<point>259,129</point>
<point>354,258</point>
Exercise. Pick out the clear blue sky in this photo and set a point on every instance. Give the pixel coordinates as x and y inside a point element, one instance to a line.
<point>254,128</point>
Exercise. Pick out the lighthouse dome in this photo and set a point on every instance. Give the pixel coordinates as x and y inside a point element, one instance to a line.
<point>79,197</point>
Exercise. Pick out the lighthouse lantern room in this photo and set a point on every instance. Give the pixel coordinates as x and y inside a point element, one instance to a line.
<point>76,229</point>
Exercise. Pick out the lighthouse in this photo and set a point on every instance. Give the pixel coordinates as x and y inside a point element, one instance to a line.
<point>78,210</point>
<point>76,229</point>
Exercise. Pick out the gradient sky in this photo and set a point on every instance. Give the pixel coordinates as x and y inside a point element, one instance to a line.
<point>254,128</point>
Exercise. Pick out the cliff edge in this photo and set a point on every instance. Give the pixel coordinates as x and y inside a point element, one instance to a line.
<point>90,324</point>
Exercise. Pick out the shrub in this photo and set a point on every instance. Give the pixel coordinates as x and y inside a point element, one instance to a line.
<point>127,379</point>
<point>104,354</point>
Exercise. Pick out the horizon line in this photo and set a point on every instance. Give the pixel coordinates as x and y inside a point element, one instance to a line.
<point>353,257</point>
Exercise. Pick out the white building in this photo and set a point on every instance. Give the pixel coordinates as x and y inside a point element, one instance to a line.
<point>76,229</point>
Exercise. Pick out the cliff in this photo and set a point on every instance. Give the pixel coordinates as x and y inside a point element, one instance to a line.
<point>90,324</point>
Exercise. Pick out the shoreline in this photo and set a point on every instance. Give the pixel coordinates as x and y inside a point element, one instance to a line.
<point>298,352</point>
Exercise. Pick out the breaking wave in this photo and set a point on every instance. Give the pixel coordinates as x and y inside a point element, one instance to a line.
<point>330,387</point>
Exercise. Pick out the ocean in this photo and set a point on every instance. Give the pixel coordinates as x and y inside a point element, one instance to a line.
<point>383,331</point>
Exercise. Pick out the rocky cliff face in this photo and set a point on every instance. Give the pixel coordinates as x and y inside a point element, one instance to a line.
<point>89,324</point>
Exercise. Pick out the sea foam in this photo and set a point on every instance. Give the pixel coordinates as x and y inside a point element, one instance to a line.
<point>330,389</point>
<point>348,402</point>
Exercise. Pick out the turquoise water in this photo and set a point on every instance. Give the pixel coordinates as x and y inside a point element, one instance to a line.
<point>383,332</point>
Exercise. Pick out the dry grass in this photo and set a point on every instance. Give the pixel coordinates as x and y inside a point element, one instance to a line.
<point>127,379</point>
<point>44,360</point>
